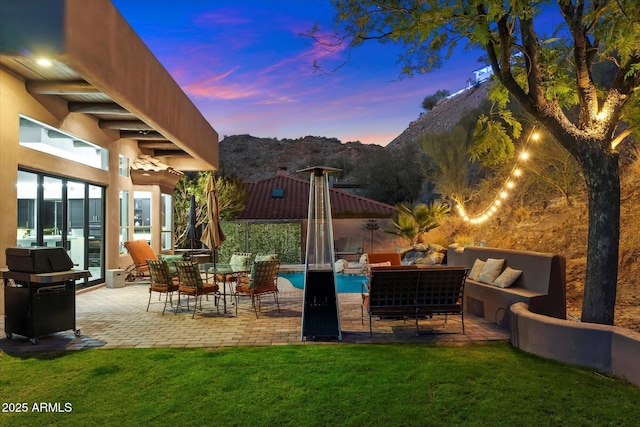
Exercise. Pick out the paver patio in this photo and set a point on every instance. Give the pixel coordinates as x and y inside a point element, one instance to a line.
<point>116,318</point>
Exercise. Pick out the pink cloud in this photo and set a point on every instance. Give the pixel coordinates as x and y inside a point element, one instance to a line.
<point>222,17</point>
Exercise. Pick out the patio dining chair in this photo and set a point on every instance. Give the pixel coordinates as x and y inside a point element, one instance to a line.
<point>161,282</point>
<point>237,258</point>
<point>191,285</point>
<point>262,280</point>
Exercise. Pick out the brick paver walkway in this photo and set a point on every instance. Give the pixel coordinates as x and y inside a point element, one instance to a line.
<point>116,318</point>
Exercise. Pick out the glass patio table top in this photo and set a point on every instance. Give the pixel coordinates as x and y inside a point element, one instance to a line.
<point>225,270</point>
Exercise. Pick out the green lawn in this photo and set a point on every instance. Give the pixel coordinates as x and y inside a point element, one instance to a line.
<point>324,385</point>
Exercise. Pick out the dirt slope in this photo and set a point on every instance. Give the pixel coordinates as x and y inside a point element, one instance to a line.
<point>563,230</point>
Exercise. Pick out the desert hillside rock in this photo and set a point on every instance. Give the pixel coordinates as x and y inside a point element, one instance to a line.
<point>444,116</point>
<point>252,158</point>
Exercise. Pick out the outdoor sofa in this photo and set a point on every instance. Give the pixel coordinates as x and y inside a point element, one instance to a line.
<point>541,284</point>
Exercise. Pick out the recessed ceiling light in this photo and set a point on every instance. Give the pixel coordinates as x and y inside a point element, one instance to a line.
<point>44,62</point>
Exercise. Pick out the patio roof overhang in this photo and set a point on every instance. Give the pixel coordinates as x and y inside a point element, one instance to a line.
<point>100,67</point>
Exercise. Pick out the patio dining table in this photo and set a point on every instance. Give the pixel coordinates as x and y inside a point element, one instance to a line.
<point>226,271</point>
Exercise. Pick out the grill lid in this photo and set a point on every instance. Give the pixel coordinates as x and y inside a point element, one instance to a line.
<point>38,259</point>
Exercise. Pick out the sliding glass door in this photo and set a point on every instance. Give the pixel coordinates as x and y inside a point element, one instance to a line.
<point>59,212</point>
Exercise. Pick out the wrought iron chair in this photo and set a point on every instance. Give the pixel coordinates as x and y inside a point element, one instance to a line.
<point>243,258</point>
<point>191,284</point>
<point>161,282</point>
<point>263,280</point>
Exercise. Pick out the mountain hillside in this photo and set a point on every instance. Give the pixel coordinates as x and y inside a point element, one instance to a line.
<point>444,116</point>
<point>252,158</point>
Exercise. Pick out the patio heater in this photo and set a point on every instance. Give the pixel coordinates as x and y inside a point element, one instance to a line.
<point>320,314</point>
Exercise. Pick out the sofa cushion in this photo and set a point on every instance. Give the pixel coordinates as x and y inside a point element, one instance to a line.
<point>507,277</point>
<point>478,265</point>
<point>491,271</point>
<point>239,260</point>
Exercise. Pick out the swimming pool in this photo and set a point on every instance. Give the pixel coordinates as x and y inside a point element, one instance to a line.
<point>347,283</point>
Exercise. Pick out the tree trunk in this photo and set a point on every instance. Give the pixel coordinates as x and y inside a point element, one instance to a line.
<point>603,185</point>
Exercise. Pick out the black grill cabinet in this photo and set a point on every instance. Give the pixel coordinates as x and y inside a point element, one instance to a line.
<point>38,304</point>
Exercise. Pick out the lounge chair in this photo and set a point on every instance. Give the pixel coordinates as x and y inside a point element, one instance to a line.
<point>140,252</point>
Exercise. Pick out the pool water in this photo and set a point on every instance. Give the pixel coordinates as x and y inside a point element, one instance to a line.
<point>347,283</point>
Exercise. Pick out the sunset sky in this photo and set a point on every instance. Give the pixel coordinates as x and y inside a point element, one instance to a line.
<point>249,71</point>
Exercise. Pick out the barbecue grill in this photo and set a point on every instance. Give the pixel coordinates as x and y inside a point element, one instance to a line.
<point>39,292</point>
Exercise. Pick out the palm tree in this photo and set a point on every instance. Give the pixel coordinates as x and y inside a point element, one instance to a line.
<point>411,221</point>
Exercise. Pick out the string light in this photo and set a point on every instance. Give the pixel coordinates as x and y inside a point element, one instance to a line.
<point>504,193</point>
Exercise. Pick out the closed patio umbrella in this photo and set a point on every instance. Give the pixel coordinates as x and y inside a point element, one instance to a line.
<point>212,235</point>
<point>192,232</point>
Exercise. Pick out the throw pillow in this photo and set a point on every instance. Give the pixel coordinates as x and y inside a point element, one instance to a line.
<point>492,269</point>
<point>507,278</point>
<point>240,260</point>
<point>363,259</point>
<point>478,265</point>
<point>339,265</point>
<point>170,259</point>
<point>270,257</point>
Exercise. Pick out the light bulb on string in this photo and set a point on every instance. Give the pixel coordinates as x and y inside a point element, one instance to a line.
<point>503,193</point>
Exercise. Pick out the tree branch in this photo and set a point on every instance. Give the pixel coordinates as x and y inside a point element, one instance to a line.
<point>583,55</point>
<point>532,60</point>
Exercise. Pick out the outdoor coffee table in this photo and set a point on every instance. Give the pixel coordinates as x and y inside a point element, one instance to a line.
<point>224,270</point>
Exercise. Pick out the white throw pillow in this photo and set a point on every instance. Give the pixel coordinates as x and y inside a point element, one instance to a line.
<point>507,278</point>
<point>339,265</point>
<point>478,265</point>
<point>491,271</point>
<point>363,259</point>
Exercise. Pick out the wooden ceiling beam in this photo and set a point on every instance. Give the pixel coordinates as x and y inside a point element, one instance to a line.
<point>142,135</point>
<point>60,87</point>
<point>124,125</point>
<point>170,153</point>
<point>158,145</point>
<point>96,108</point>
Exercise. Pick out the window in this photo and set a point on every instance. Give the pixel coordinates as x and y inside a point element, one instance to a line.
<point>46,139</point>
<point>166,216</point>
<point>27,208</point>
<point>142,215</point>
<point>123,165</point>
<point>124,219</point>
